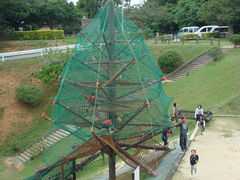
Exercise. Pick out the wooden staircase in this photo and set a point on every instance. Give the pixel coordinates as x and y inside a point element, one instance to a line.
<point>43,143</point>
<point>193,65</point>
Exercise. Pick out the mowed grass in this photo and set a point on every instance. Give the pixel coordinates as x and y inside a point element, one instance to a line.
<point>216,86</point>
<point>186,51</point>
<point>16,45</point>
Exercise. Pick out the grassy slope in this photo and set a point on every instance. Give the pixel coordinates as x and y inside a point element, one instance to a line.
<point>187,51</point>
<point>185,92</point>
<point>215,85</point>
<point>28,132</point>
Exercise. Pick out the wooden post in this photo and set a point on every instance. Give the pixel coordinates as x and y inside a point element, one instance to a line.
<point>62,171</point>
<point>211,40</point>
<point>196,40</point>
<point>182,41</point>
<point>111,115</point>
<point>112,164</point>
<point>74,170</point>
<point>218,42</point>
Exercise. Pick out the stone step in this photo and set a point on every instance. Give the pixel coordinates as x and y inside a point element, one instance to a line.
<point>61,133</point>
<point>58,135</point>
<point>54,137</point>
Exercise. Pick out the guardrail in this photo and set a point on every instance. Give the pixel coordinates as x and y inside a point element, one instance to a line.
<point>40,51</point>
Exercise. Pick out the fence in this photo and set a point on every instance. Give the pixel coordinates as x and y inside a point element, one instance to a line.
<point>175,39</point>
<point>37,52</point>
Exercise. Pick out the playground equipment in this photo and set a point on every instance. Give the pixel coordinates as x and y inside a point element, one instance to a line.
<point>111,93</point>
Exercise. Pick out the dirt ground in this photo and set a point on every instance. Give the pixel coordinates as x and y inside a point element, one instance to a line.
<point>15,114</point>
<point>219,152</point>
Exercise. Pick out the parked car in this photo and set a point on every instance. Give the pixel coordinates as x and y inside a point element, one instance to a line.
<point>190,29</point>
<point>223,30</point>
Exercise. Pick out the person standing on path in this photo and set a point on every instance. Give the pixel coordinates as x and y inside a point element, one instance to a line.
<point>183,134</point>
<point>194,158</point>
<point>201,124</point>
<point>176,112</point>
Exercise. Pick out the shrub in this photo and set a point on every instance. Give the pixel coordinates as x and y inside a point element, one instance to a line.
<point>215,53</point>
<point>39,35</point>
<point>169,61</point>
<point>54,64</point>
<point>211,35</point>
<point>30,95</point>
<point>189,36</point>
<point>235,39</point>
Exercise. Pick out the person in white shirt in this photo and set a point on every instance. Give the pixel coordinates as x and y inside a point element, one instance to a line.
<point>198,112</point>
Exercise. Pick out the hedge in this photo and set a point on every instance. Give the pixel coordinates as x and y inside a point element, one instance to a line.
<point>235,39</point>
<point>39,34</point>
<point>189,36</point>
<point>210,35</point>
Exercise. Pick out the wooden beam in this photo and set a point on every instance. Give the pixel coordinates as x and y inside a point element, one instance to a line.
<point>107,62</point>
<point>102,109</point>
<point>135,160</point>
<point>120,52</point>
<point>78,115</point>
<point>119,72</point>
<point>158,147</point>
<point>91,68</point>
<point>132,117</point>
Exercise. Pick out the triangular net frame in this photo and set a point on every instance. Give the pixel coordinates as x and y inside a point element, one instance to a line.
<point>110,93</point>
<point>111,63</point>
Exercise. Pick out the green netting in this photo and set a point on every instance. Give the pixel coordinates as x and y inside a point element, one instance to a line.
<point>111,77</point>
<point>112,65</point>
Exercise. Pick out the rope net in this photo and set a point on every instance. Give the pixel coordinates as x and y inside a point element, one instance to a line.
<point>111,86</point>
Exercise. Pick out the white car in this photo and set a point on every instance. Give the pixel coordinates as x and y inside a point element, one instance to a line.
<point>190,29</point>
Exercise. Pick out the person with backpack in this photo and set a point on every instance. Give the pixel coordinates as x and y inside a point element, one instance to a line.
<point>194,158</point>
<point>183,134</point>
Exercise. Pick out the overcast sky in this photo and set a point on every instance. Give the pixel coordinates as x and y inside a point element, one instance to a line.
<point>133,2</point>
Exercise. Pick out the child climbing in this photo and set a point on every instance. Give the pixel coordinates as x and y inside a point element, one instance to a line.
<point>165,135</point>
<point>91,100</point>
<point>183,134</point>
<point>198,112</point>
<point>194,158</point>
<point>201,124</point>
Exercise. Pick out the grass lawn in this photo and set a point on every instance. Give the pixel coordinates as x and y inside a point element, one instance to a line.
<point>186,51</point>
<point>216,87</point>
<point>9,46</point>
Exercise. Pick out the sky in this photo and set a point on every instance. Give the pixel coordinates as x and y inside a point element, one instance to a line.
<point>133,2</point>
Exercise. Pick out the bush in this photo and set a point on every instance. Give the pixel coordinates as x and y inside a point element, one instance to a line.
<point>54,63</point>
<point>215,53</point>
<point>235,39</point>
<point>169,61</point>
<point>189,36</point>
<point>39,35</point>
<point>211,35</point>
<point>30,95</point>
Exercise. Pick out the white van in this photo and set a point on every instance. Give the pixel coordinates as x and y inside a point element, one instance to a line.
<point>223,30</point>
<point>206,29</point>
<point>190,29</point>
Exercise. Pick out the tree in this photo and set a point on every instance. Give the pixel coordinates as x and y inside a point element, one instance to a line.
<point>186,13</point>
<point>152,16</point>
<point>221,12</point>
<point>13,12</point>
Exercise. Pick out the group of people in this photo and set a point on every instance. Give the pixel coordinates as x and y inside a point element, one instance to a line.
<point>199,117</point>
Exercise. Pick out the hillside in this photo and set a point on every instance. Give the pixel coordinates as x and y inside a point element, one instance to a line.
<point>216,87</point>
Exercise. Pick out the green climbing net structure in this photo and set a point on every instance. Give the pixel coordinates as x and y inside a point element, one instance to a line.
<point>111,82</point>
<point>111,86</point>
